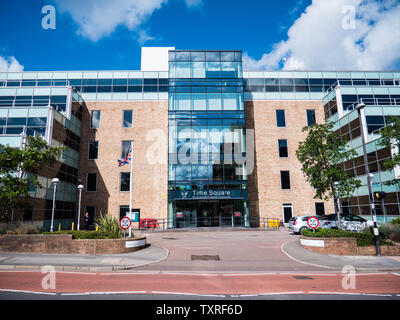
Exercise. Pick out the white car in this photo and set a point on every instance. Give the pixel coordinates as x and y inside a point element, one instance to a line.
<point>299,223</point>
<point>347,222</point>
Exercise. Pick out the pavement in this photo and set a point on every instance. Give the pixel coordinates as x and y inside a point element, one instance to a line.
<point>171,251</point>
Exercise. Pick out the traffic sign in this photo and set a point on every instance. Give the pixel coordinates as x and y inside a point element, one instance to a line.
<point>313,222</point>
<point>125,223</point>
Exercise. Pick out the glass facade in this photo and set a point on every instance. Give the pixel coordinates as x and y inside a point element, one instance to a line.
<point>381,103</point>
<point>207,181</point>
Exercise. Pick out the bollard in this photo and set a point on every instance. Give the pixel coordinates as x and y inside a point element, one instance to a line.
<point>72,228</point>
<point>59,227</point>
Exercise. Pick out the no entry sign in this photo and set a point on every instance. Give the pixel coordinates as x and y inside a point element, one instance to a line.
<point>125,223</point>
<point>313,222</point>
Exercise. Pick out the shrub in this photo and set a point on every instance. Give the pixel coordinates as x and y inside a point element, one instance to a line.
<point>395,221</point>
<point>20,228</point>
<point>77,234</point>
<point>390,231</point>
<point>109,227</point>
<point>364,238</point>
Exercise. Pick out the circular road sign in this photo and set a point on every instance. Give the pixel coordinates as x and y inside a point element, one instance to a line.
<point>125,223</point>
<point>313,222</point>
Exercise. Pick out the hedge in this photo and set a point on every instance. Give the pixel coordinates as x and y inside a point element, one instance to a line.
<point>82,234</point>
<point>364,238</point>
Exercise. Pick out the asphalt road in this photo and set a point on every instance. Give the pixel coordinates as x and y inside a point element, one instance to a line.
<point>244,265</point>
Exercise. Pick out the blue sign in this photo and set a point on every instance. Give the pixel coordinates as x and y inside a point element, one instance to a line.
<point>208,194</point>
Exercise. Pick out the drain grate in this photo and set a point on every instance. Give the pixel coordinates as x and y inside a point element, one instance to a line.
<point>205,257</point>
<point>171,238</point>
<point>303,278</point>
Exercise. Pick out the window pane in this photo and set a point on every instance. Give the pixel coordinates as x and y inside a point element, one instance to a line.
<point>126,145</point>
<point>125,181</point>
<point>91,182</point>
<point>285,180</point>
<point>283,148</point>
<point>319,208</point>
<point>280,118</point>
<point>93,150</point>
<point>127,122</point>
<point>95,120</point>
<point>311,117</point>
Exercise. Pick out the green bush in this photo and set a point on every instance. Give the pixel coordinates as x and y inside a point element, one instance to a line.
<point>390,231</point>
<point>78,234</point>
<point>20,228</point>
<point>109,227</point>
<point>395,221</point>
<point>364,238</point>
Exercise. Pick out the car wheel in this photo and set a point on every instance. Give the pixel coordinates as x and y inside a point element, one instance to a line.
<point>301,230</point>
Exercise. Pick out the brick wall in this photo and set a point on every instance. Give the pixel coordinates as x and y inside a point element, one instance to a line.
<point>348,247</point>
<point>63,244</point>
<point>265,194</point>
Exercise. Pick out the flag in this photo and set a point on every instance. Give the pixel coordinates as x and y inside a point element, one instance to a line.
<point>126,159</point>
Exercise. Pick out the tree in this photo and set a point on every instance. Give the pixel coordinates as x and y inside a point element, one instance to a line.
<point>322,154</point>
<point>18,169</point>
<point>390,138</point>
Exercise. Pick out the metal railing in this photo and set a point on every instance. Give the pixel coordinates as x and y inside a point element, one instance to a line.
<point>207,222</point>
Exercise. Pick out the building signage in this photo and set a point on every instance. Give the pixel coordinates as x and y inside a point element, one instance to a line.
<point>207,194</point>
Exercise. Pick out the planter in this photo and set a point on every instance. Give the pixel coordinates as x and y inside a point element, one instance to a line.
<point>344,246</point>
<point>64,244</point>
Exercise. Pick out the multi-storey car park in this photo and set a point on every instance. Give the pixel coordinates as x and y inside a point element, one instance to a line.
<point>213,145</point>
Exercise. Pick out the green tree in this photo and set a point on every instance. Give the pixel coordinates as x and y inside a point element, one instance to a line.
<point>390,138</point>
<point>18,169</point>
<point>322,155</point>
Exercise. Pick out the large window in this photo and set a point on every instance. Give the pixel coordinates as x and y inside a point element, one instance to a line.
<point>285,180</point>
<point>283,148</point>
<point>319,208</point>
<point>125,147</point>
<point>128,119</point>
<point>95,119</point>
<point>280,118</point>
<point>93,150</point>
<point>311,117</point>
<point>91,184</point>
<point>125,181</point>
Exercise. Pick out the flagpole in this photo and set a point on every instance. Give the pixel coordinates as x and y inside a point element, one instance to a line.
<point>130,190</point>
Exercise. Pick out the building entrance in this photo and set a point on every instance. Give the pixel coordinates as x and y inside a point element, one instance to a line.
<point>210,213</point>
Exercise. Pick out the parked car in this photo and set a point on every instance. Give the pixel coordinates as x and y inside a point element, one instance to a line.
<point>347,222</point>
<point>299,223</point>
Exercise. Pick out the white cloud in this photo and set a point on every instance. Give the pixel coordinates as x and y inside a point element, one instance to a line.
<point>193,3</point>
<point>99,18</point>
<point>340,34</point>
<point>10,64</point>
<point>144,37</point>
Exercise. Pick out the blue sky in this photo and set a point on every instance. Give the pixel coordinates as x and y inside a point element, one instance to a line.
<point>287,34</point>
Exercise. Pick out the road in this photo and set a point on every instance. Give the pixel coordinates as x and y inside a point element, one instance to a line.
<point>238,265</point>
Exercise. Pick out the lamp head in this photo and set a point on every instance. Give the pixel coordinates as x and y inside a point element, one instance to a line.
<point>80,187</point>
<point>55,180</point>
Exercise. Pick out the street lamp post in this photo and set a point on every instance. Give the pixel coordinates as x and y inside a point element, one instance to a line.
<point>337,202</point>
<point>80,187</point>
<point>360,107</point>
<point>54,181</point>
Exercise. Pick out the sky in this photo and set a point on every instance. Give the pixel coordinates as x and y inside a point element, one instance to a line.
<point>41,35</point>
